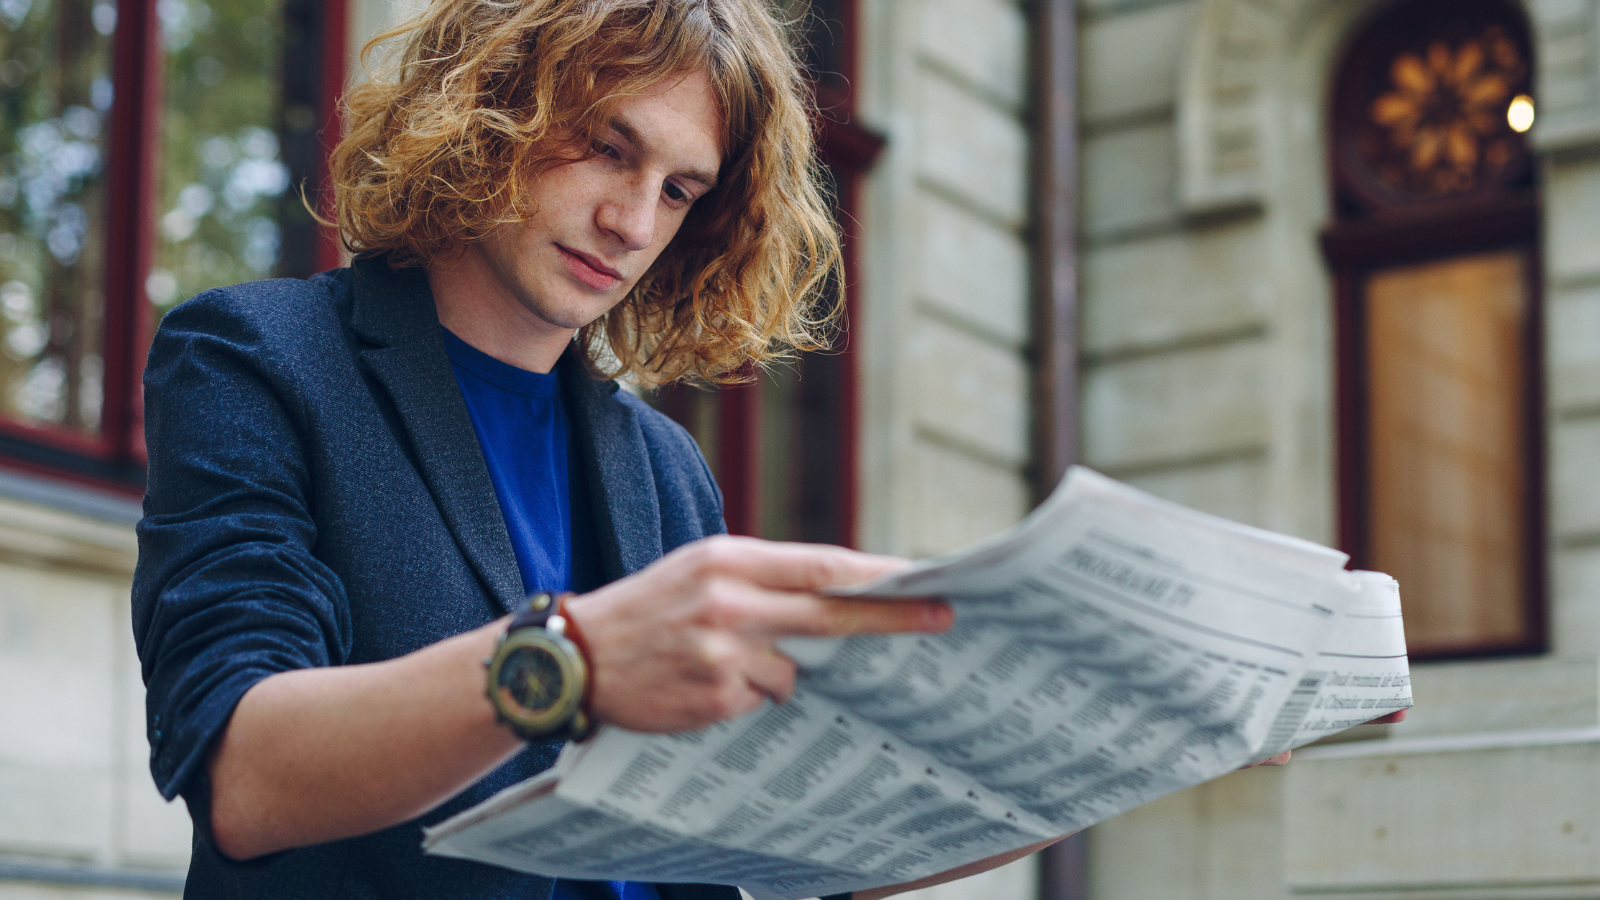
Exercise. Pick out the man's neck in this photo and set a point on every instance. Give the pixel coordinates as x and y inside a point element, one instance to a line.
<point>476,308</point>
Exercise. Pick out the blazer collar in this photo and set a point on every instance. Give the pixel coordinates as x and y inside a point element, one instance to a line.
<point>393,309</point>
<point>615,458</point>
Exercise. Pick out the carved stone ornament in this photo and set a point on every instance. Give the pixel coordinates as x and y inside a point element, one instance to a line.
<point>1222,100</point>
<point>1227,80</point>
<point>1424,102</point>
<point>1566,34</point>
<point>1440,126</point>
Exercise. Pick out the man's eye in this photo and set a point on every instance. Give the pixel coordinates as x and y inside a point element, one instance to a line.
<point>603,148</point>
<point>675,193</point>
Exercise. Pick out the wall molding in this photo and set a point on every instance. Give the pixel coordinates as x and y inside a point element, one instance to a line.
<point>1573,890</point>
<point>1567,48</point>
<point>13,869</point>
<point>1225,92</point>
<point>44,536</point>
<point>1222,105</point>
<point>1453,743</point>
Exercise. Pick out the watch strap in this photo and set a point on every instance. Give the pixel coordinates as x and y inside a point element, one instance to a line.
<point>537,612</point>
<point>538,609</point>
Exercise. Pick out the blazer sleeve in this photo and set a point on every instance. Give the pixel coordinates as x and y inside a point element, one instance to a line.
<point>227,590</point>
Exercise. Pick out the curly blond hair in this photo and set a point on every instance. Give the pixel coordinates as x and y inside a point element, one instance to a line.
<point>444,141</point>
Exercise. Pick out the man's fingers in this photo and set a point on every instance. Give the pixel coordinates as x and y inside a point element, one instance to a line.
<point>771,673</point>
<point>1282,759</point>
<point>773,614</point>
<point>783,566</point>
<point>1398,715</point>
<point>844,617</point>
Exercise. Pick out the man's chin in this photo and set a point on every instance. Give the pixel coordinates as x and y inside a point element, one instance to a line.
<point>574,315</point>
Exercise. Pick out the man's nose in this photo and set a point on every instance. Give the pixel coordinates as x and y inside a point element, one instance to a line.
<point>631,216</point>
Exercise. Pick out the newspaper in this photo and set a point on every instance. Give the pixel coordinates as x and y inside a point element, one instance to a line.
<point>1109,650</point>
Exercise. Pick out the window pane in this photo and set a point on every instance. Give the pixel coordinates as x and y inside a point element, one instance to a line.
<point>803,490</point>
<point>1447,369</point>
<point>55,68</point>
<point>820,32</point>
<point>239,137</point>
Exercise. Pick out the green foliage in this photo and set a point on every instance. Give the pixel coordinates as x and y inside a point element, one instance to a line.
<point>222,172</point>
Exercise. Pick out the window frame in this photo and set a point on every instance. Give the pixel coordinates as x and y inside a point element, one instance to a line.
<point>848,149</point>
<point>1360,241</point>
<point>114,459</point>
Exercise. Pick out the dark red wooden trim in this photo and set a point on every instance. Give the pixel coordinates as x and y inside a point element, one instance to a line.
<point>1064,867</point>
<point>850,50</point>
<point>57,438</point>
<point>335,55</point>
<point>1055,269</point>
<point>1534,423</point>
<point>739,456</point>
<point>115,458</point>
<point>1452,231</point>
<point>848,150</point>
<point>130,224</point>
<point>1376,229</point>
<point>1387,29</point>
<point>849,432</point>
<point>846,146</point>
<point>1350,367</point>
<point>1353,258</point>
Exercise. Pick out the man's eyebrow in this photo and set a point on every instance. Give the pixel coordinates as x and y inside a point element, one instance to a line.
<point>631,135</point>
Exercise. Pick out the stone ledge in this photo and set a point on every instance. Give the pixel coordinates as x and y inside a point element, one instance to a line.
<point>1452,743</point>
<point>39,535</point>
<point>1502,697</point>
<point>1390,819</point>
<point>1578,890</point>
<point>20,869</point>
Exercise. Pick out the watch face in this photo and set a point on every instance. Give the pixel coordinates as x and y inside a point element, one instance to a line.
<point>531,678</point>
<point>536,682</point>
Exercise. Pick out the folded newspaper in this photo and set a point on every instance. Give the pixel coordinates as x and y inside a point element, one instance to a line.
<point>1109,650</point>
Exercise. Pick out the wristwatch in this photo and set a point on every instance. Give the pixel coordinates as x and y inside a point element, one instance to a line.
<point>539,674</point>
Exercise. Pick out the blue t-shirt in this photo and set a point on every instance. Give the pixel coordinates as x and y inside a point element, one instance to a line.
<point>522,428</point>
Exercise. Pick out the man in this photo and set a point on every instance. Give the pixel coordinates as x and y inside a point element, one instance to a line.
<point>354,479</point>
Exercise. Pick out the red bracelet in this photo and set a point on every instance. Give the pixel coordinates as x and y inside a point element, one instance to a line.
<point>575,635</point>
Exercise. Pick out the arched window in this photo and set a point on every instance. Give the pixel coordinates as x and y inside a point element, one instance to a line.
<point>1435,250</point>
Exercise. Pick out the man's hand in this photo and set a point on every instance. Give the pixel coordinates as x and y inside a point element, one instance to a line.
<point>689,640</point>
<point>1282,759</point>
<point>321,754</point>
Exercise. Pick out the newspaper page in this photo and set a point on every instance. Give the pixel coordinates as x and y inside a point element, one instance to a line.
<point>1111,649</point>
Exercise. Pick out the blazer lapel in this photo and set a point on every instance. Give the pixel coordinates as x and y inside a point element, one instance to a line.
<point>616,463</point>
<point>394,310</point>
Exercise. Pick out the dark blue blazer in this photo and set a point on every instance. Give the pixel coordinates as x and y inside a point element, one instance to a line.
<point>317,497</point>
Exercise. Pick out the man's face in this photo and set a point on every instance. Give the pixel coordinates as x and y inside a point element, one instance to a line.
<point>600,222</point>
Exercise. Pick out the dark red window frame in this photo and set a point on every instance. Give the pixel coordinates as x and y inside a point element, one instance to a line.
<point>848,150</point>
<point>115,459</point>
<point>1372,230</point>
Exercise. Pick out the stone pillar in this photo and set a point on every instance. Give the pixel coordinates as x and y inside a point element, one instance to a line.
<point>80,812</point>
<point>944,325</point>
<point>1206,330</point>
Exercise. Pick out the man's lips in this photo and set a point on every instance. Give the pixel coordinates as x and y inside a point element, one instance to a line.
<point>589,270</point>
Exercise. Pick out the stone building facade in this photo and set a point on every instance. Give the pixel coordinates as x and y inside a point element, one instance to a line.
<point>944,449</point>
<point>1209,377</point>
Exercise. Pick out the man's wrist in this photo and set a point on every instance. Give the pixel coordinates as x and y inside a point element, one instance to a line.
<point>574,634</point>
<point>537,679</point>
